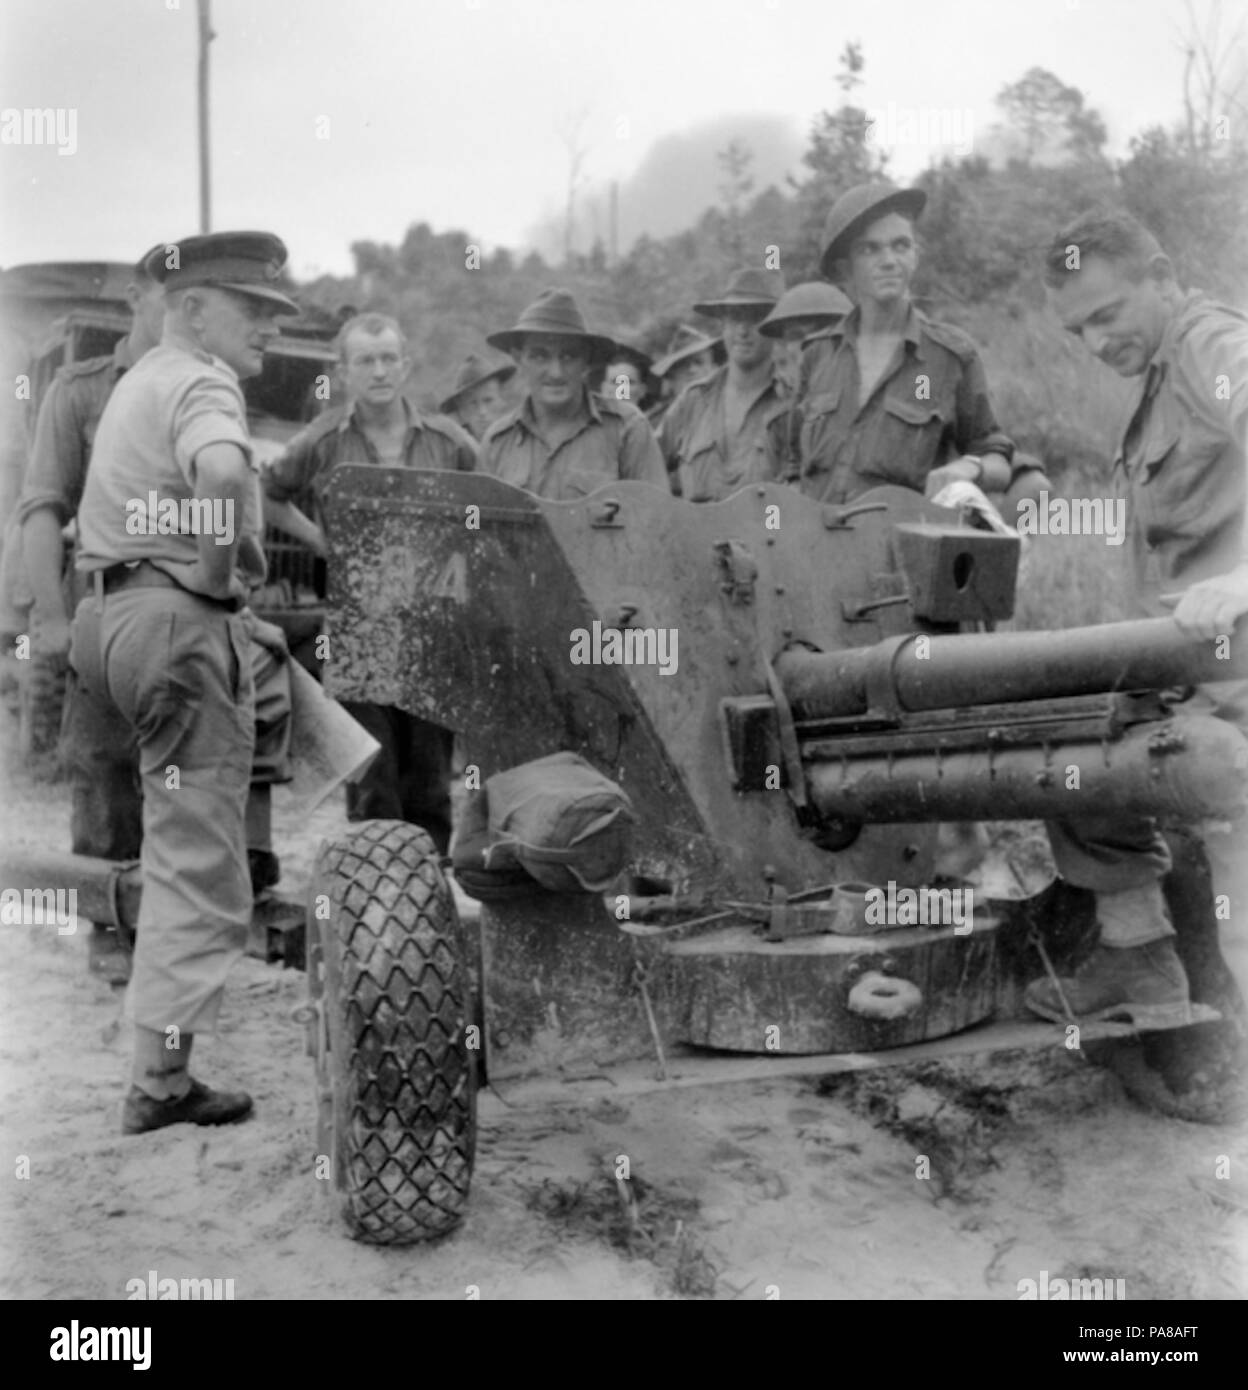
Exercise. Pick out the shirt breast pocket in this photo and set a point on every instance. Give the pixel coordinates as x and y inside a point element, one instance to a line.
<point>703,475</point>
<point>820,430</point>
<point>1187,483</point>
<point>910,442</point>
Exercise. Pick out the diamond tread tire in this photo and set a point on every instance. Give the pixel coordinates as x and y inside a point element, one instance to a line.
<point>396,1076</point>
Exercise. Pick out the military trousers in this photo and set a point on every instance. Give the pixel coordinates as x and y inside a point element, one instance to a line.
<point>100,754</point>
<point>1123,859</point>
<point>177,668</point>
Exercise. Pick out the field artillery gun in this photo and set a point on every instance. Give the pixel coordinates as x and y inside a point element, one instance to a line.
<point>800,713</point>
<point>782,690</point>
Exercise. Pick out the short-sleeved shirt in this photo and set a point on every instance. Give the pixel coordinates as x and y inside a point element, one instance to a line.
<point>614,442</point>
<point>1182,462</point>
<point>337,436</point>
<point>69,415</point>
<point>696,444</point>
<point>170,406</point>
<point>930,405</point>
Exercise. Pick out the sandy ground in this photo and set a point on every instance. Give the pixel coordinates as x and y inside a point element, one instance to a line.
<point>796,1188</point>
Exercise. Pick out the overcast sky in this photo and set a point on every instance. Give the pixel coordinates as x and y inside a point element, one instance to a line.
<point>340,120</point>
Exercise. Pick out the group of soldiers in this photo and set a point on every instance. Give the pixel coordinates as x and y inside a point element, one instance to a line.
<point>834,391</point>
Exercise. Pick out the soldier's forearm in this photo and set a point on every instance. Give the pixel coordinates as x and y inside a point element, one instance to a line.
<point>42,551</point>
<point>287,517</point>
<point>222,476</point>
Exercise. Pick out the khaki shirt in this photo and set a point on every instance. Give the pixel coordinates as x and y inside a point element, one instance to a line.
<point>65,432</point>
<point>929,406</point>
<point>696,444</point>
<point>614,442</point>
<point>337,436</point>
<point>169,406</point>
<point>1181,464</point>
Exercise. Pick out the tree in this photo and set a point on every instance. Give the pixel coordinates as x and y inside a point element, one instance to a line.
<point>1214,82</point>
<point>736,184</point>
<point>1196,209</point>
<point>840,155</point>
<point>1050,120</point>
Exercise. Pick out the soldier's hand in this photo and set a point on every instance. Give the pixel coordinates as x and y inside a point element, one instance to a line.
<point>959,470</point>
<point>50,634</point>
<point>270,637</point>
<point>1211,608</point>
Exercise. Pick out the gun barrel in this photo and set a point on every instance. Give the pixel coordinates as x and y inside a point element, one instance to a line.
<point>919,672</point>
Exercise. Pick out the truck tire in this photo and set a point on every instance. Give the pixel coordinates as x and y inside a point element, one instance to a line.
<point>395,1072</point>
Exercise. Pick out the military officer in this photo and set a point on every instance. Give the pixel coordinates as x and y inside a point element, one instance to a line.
<point>563,441</point>
<point>97,746</point>
<point>714,436</point>
<point>171,637</point>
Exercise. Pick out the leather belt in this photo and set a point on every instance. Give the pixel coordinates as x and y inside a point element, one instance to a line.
<point>145,575</point>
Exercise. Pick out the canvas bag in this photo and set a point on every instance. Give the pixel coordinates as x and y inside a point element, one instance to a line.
<point>560,820</point>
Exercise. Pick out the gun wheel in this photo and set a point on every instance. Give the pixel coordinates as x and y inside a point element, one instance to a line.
<point>395,1076</point>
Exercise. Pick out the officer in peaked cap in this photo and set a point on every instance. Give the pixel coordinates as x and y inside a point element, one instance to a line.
<point>248,263</point>
<point>713,437</point>
<point>171,642</point>
<point>564,441</point>
<point>97,746</point>
<point>476,396</point>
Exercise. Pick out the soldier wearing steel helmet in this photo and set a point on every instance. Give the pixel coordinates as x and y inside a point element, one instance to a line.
<point>888,395</point>
<point>803,310</point>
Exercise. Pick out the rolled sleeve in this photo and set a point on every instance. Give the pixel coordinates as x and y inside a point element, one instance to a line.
<point>284,478</point>
<point>210,413</point>
<point>976,430</point>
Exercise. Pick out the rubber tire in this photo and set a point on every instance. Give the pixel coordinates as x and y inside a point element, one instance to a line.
<point>397,1077</point>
